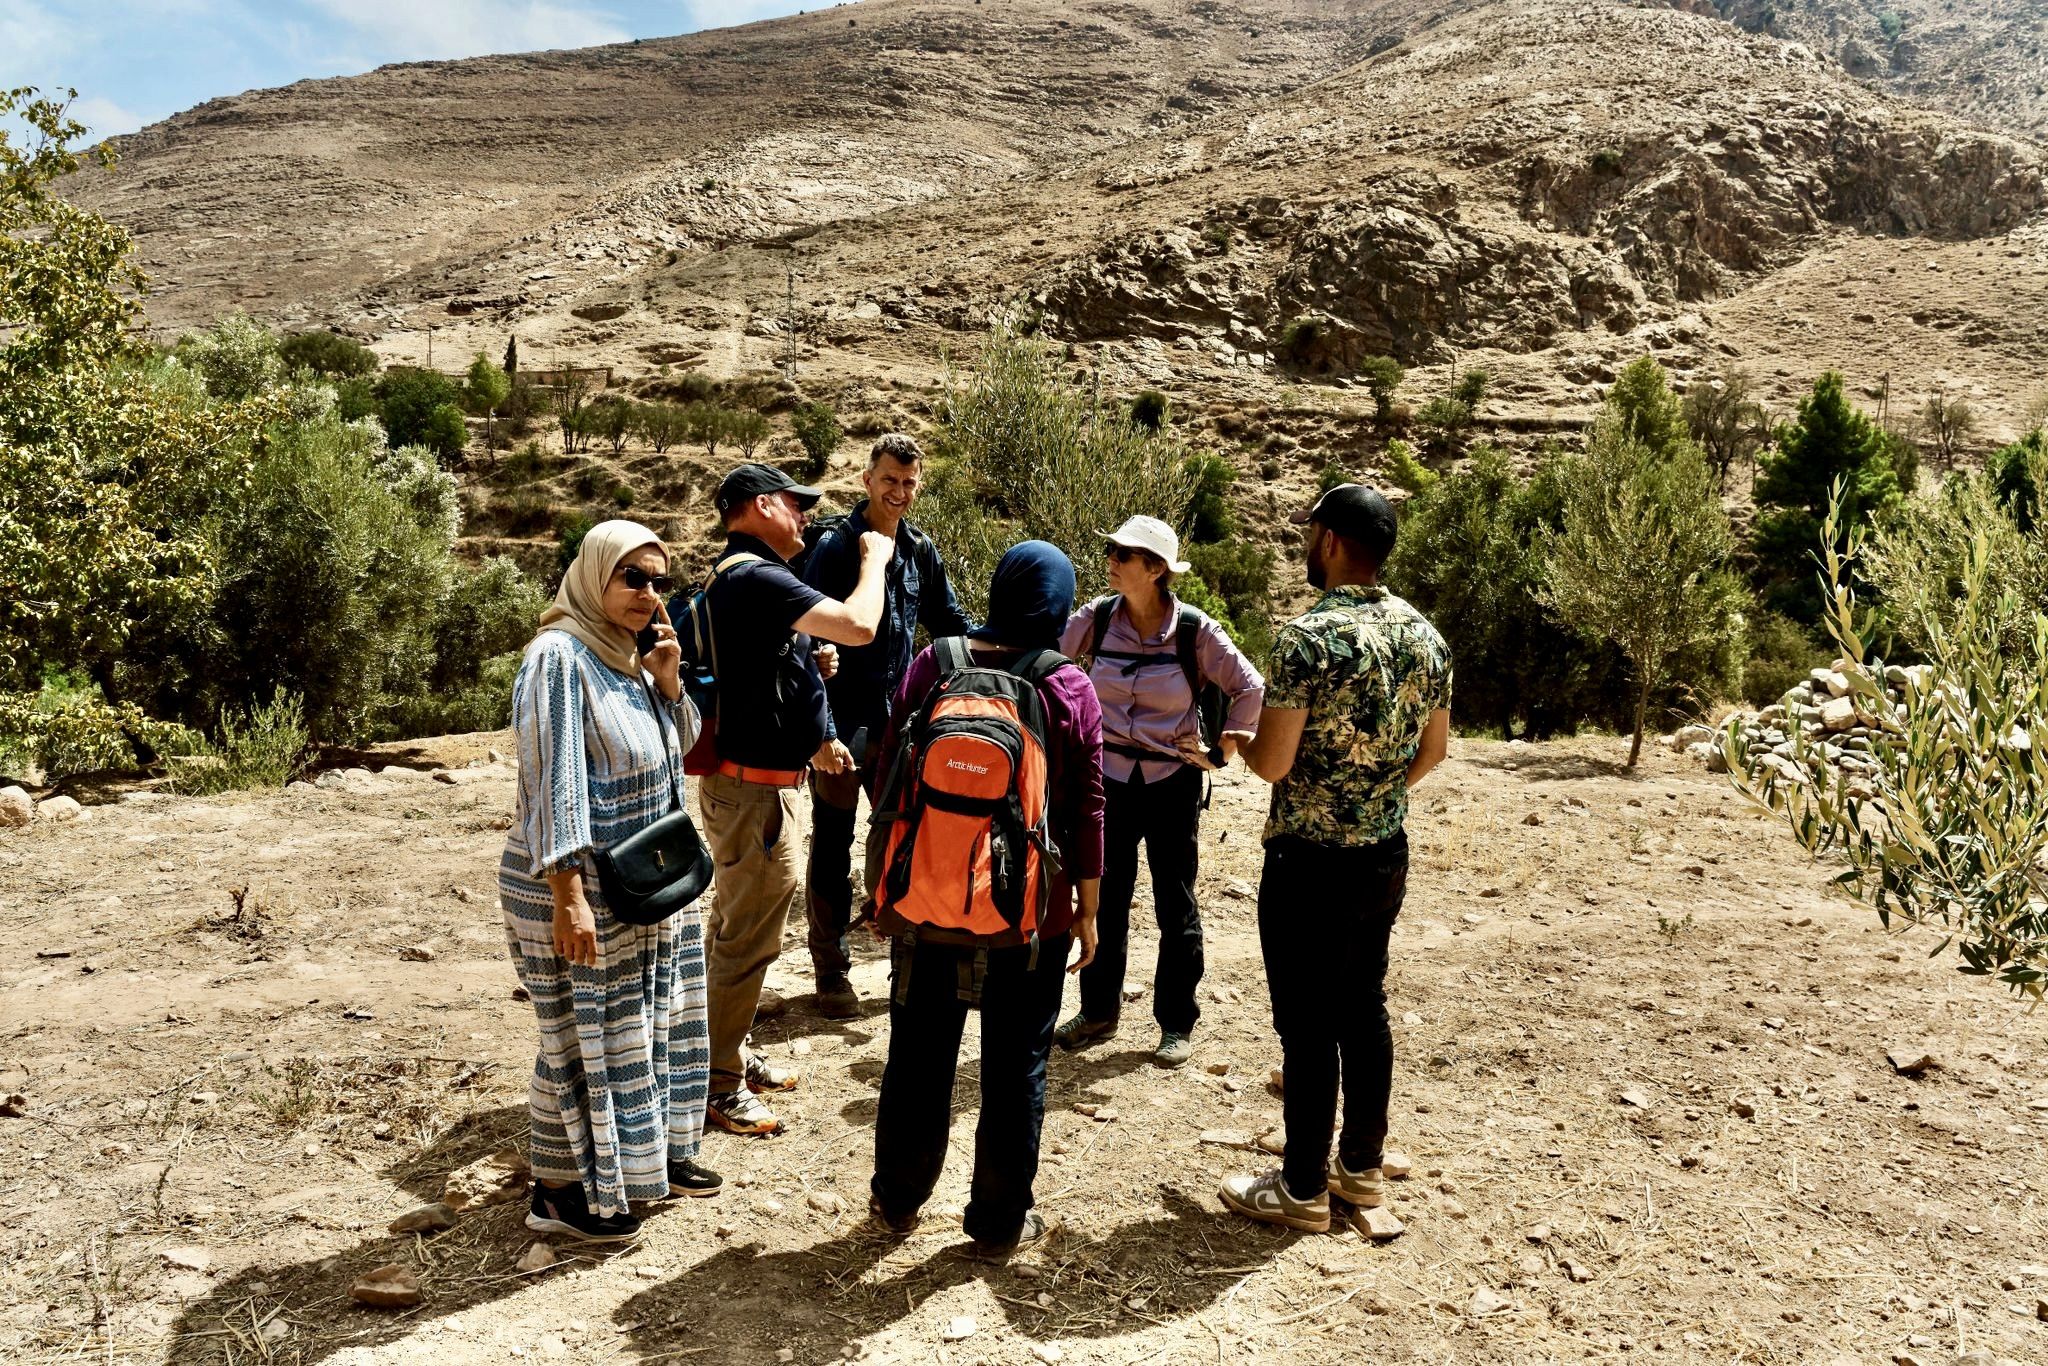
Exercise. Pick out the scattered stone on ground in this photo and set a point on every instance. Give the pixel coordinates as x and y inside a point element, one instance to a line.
<point>391,1286</point>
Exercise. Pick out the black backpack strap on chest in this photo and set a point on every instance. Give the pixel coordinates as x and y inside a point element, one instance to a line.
<point>1187,634</point>
<point>1105,610</point>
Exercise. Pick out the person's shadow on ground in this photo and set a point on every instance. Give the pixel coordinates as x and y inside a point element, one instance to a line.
<point>469,1265</point>
<point>743,1304</point>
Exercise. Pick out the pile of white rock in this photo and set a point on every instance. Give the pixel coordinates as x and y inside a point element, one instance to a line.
<point>18,809</point>
<point>1835,728</point>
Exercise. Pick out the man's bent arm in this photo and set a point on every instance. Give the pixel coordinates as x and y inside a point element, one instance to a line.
<point>1436,742</point>
<point>1270,753</point>
<point>852,622</point>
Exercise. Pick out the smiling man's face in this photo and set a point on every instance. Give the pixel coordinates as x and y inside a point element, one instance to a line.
<point>892,484</point>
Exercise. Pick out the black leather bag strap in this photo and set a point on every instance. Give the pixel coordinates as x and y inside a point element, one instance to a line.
<point>661,725</point>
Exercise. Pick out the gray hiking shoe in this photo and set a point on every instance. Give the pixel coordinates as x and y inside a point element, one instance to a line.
<point>1174,1050</point>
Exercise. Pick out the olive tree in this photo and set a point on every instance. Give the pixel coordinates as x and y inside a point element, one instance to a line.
<point>1946,825</point>
<point>1639,557</point>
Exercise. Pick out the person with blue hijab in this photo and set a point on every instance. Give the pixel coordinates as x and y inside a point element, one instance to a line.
<point>1029,601</point>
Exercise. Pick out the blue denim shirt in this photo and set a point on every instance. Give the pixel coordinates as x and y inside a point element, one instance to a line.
<point>918,593</point>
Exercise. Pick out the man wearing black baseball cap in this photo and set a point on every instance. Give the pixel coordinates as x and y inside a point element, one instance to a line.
<point>1357,710</point>
<point>773,727</point>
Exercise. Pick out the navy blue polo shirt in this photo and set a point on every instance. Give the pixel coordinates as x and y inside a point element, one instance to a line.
<point>771,701</point>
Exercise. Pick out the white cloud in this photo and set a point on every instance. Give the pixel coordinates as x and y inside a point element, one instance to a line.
<point>423,30</point>
<point>30,38</point>
<point>105,118</point>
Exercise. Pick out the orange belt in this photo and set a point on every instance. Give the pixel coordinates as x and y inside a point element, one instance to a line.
<point>767,777</point>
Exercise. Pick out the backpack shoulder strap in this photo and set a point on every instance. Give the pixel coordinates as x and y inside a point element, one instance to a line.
<point>1105,608</point>
<point>1034,668</point>
<point>732,561</point>
<point>1187,631</point>
<point>951,654</point>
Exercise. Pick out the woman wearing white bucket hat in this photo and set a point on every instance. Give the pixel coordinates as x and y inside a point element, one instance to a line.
<point>1155,661</point>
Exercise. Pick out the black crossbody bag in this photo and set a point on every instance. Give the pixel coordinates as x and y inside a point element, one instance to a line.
<point>650,875</point>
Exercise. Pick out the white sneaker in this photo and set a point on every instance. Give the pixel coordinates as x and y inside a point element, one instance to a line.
<point>1363,1189</point>
<point>1265,1199</point>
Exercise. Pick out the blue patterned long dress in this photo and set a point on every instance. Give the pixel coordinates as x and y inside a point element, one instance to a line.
<point>622,1077</point>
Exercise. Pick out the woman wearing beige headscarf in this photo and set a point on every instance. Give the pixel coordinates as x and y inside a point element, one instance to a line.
<point>620,1084</point>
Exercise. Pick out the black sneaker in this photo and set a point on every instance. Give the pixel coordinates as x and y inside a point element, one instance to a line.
<point>1035,1229</point>
<point>562,1210</point>
<point>687,1178</point>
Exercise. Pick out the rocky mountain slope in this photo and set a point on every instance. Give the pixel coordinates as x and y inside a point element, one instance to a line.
<point>1987,62</point>
<point>1544,187</point>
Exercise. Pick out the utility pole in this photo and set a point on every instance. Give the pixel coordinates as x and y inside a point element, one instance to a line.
<point>789,329</point>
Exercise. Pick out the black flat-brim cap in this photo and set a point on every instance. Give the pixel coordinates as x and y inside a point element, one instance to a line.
<point>1355,512</point>
<point>752,479</point>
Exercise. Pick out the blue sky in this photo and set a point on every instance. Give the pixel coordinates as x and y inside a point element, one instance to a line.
<point>136,61</point>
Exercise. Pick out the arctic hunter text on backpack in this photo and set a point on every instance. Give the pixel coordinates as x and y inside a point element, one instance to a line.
<point>961,850</point>
<point>1211,704</point>
<point>700,665</point>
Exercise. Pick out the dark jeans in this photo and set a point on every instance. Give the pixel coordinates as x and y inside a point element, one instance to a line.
<point>926,1016</point>
<point>1326,913</point>
<point>829,906</point>
<point>1164,815</point>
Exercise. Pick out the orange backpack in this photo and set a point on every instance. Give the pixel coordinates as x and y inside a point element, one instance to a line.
<point>960,851</point>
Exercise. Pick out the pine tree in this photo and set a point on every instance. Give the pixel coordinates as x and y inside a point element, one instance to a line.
<point>1830,441</point>
<point>1646,408</point>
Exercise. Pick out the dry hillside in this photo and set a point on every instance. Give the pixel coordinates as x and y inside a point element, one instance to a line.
<point>1543,187</point>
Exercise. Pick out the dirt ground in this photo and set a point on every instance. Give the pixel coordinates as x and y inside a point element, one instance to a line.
<point>1642,1079</point>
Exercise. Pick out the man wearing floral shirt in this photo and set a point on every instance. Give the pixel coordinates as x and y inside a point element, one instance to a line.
<point>1357,710</point>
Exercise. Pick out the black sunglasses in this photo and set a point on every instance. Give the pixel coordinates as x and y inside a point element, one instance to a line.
<point>1123,553</point>
<point>637,578</point>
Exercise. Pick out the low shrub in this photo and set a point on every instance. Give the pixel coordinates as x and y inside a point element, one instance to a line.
<point>263,747</point>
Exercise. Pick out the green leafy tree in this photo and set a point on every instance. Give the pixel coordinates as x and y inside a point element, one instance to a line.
<point>1829,442</point>
<point>1405,471</point>
<point>747,430</point>
<point>1444,422</point>
<point>2019,474</point>
<point>1638,557</point>
<point>1023,451</point>
<point>1209,515</point>
<point>1470,389</point>
<point>1948,827</point>
<point>483,389</point>
<point>410,405</point>
<point>709,424</point>
<point>610,419</point>
<point>327,354</point>
<point>1948,423</point>
<point>1383,375</point>
<point>1647,410</point>
<point>818,431</point>
<point>109,466</point>
<point>660,425</point>
<point>1724,417</point>
<point>1470,556</point>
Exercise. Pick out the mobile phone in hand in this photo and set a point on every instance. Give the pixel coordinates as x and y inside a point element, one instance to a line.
<point>647,639</point>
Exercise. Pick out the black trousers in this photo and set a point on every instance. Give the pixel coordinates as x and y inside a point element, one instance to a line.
<point>1326,913</point>
<point>927,1015</point>
<point>1165,817</point>
<point>829,905</point>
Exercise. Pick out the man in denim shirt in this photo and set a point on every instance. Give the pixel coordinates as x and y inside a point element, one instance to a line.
<point>918,594</point>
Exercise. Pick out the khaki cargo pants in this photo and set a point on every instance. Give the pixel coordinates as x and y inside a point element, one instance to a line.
<point>752,830</point>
